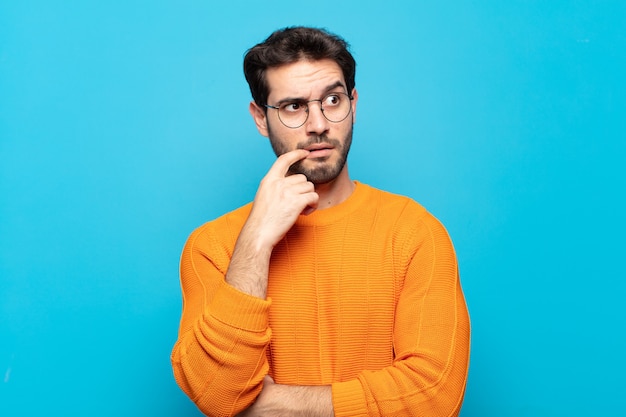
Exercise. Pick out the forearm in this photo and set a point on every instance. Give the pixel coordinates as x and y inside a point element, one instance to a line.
<point>221,361</point>
<point>220,357</point>
<point>249,265</point>
<point>291,401</point>
<point>416,386</point>
<point>431,337</point>
<point>279,201</point>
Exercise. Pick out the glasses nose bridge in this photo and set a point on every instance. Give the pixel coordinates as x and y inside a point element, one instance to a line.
<point>318,120</point>
<point>319,100</point>
<point>308,110</point>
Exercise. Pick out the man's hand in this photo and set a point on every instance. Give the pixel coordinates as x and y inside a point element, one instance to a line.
<point>280,199</point>
<point>290,400</point>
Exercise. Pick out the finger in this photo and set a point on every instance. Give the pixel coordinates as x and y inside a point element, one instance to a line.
<point>311,204</point>
<point>286,160</point>
<point>308,210</point>
<point>296,188</point>
<point>296,179</point>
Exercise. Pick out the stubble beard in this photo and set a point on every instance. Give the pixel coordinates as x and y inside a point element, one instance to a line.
<point>321,173</point>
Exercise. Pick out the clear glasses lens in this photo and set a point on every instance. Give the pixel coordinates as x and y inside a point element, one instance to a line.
<point>335,107</point>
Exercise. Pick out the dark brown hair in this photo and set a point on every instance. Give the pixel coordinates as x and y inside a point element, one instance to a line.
<point>293,44</point>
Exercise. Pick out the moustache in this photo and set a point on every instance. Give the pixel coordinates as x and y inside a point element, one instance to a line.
<point>319,139</point>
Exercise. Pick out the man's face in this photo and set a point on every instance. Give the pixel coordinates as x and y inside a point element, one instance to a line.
<point>328,142</point>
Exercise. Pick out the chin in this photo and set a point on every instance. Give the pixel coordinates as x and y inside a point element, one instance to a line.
<point>322,175</point>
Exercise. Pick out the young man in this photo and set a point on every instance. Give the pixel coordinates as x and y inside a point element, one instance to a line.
<point>324,296</point>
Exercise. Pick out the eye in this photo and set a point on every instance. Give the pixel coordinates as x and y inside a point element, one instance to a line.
<point>293,107</point>
<point>332,100</point>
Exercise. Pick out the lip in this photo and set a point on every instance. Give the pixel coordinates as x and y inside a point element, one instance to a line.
<point>319,150</point>
<point>318,146</point>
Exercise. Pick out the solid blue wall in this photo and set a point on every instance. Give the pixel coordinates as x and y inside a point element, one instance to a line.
<point>124,125</point>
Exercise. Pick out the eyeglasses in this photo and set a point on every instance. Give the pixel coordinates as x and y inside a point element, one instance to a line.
<point>334,106</point>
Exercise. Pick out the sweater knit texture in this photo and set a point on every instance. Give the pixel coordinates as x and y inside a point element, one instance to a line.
<point>364,296</point>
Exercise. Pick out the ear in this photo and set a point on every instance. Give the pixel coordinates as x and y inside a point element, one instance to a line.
<point>260,118</point>
<point>355,98</point>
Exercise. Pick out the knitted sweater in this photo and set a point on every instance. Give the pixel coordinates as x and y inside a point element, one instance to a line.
<point>364,296</point>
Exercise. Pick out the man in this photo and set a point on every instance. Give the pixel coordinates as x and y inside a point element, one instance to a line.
<point>324,296</point>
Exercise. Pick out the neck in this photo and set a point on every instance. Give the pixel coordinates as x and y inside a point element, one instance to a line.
<point>336,191</point>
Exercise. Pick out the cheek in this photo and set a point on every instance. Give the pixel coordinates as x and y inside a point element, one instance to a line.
<point>288,138</point>
<point>280,143</point>
<point>278,131</point>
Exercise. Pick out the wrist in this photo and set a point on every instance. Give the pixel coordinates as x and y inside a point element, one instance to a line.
<point>257,241</point>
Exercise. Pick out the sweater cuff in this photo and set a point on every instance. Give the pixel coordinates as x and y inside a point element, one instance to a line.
<point>240,310</point>
<point>349,399</point>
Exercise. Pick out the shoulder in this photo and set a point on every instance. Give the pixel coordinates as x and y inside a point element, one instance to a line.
<point>391,203</point>
<point>408,217</point>
<point>223,230</point>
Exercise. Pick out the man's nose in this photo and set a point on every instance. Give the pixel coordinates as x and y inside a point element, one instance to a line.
<point>316,123</point>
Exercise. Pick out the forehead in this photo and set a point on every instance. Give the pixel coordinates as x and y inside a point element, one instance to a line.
<point>303,79</point>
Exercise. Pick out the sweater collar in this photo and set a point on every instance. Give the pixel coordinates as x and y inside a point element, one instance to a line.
<point>357,199</point>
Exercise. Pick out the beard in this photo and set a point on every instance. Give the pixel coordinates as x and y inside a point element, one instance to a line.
<point>323,172</point>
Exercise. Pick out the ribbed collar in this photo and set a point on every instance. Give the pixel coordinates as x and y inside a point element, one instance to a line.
<point>361,194</point>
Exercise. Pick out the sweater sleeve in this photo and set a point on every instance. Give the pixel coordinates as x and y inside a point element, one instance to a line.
<point>431,340</point>
<point>219,359</point>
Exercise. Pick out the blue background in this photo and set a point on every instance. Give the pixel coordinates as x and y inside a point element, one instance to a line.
<point>124,125</point>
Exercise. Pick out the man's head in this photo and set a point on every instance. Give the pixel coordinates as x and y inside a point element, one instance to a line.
<point>289,45</point>
<point>302,82</point>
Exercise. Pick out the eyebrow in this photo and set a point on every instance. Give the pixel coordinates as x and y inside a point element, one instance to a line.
<point>327,90</point>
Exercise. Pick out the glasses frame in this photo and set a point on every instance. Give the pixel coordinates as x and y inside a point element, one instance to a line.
<point>320,100</point>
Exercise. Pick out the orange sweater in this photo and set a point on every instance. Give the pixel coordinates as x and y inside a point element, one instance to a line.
<point>363,296</point>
